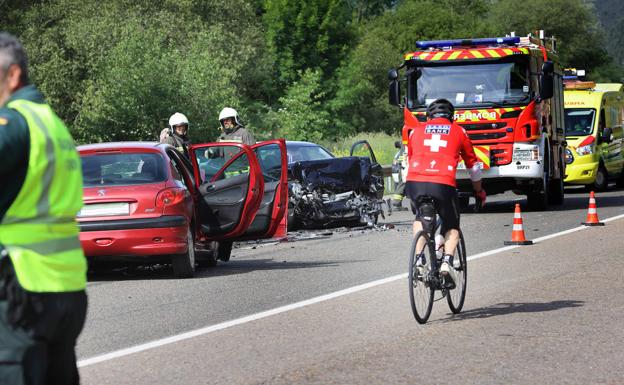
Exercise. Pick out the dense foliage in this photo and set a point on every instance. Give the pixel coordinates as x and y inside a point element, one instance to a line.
<point>303,69</point>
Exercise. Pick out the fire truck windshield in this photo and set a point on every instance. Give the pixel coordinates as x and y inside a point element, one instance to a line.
<point>579,121</point>
<point>470,85</point>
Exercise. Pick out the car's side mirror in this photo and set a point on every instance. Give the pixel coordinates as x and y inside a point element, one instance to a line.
<point>397,144</point>
<point>607,135</point>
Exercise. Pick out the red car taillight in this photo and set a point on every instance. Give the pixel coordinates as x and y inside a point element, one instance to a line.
<point>170,197</point>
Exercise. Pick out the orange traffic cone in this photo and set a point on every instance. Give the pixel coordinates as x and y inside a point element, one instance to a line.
<point>517,234</point>
<point>592,214</point>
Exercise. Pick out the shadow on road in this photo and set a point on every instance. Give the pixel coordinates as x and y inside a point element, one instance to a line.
<point>571,202</point>
<point>164,271</point>
<point>505,308</point>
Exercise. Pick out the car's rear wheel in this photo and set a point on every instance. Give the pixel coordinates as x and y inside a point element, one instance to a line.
<point>184,264</point>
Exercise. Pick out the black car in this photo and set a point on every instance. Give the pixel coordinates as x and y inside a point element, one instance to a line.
<point>325,190</point>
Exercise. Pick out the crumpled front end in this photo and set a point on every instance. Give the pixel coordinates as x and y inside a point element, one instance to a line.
<point>332,191</point>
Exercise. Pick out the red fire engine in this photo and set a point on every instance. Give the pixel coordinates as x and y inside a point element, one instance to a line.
<point>508,96</point>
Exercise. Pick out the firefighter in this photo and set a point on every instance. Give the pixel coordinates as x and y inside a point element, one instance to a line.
<point>43,302</point>
<point>233,129</point>
<point>399,190</point>
<point>178,133</point>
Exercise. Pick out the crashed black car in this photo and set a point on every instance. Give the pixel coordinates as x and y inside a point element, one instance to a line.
<point>327,191</point>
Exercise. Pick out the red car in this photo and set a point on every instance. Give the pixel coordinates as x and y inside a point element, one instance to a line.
<point>146,202</point>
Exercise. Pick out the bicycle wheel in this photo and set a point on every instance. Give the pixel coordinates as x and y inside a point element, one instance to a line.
<point>456,296</point>
<point>420,290</point>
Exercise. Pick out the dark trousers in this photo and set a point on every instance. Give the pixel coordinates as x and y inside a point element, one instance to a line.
<point>45,352</point>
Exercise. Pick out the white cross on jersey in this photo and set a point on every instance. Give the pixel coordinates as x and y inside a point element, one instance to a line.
<point>435,143</point>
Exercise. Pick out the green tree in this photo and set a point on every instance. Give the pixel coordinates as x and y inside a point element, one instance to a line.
<point>303,34</point>
<point>301,115</point>
<point>361,100</point>
<point>572,22</point>
<point>117,70</point>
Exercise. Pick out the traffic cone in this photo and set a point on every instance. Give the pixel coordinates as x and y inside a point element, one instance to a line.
<point>517,233</point>
<point>592,214</point>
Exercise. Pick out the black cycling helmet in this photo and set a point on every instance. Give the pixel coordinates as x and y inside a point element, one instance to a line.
<point>440,108</point>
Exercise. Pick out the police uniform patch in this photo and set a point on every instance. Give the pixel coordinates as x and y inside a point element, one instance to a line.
<point>437,129</point>
<point>3,121</point>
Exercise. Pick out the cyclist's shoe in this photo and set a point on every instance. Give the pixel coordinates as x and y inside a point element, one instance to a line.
<point>445,269</point>
<point>448,273</point>
<point>420,268</point>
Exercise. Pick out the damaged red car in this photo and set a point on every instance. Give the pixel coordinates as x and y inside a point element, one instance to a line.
<point>145,202</point>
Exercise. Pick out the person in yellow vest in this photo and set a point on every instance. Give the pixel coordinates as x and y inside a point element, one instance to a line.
<point>43,270</point>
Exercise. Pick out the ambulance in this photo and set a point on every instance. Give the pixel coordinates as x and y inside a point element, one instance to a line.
<point>594,116</point>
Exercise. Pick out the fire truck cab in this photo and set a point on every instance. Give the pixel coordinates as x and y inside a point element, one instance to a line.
<point>508,96</point>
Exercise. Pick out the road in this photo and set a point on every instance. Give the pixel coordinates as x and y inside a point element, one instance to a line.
<point>335,310</point>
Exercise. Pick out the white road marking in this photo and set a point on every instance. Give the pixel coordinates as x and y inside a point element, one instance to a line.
<point>297,305</point>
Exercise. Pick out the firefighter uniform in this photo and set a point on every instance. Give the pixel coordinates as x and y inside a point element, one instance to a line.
<point>240,134</point>
<point>42,266</point>
<point>399,190</point>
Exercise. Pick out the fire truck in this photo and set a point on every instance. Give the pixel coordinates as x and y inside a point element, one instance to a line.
<point>508,96</point>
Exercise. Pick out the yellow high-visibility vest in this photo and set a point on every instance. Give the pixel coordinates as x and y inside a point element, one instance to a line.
<point>39,229</point>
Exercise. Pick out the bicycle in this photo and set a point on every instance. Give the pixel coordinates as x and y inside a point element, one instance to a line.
<point>424,277</point>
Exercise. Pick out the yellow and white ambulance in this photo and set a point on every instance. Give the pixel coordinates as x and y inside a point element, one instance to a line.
<point>594,119</point>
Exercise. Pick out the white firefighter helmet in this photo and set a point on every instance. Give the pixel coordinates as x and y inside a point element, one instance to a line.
<point>229,112</point>
<point>177,119</point>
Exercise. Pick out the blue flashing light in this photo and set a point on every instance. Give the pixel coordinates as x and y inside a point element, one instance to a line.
<point>570,77</point>
<point>510,40</point>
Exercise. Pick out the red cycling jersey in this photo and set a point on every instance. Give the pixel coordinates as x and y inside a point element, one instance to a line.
<point>434,151</point>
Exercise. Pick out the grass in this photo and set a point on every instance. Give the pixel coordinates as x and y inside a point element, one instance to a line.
<point>382,144</point>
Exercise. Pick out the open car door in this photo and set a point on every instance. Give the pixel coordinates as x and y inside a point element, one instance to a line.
<point>273,161</point>
<point>364,149</point>
<point>229,185</point>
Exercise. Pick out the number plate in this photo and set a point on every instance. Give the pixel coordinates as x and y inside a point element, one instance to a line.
<point>104,209</point>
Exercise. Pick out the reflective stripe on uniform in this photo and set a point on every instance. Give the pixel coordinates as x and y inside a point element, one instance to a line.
<point>53,246</point>
<point>43,206</point>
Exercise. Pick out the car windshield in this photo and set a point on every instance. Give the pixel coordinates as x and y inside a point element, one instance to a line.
<point>579,121</point>
<point>471,85</point>
<point>122,169</point>
<point>306,152</point>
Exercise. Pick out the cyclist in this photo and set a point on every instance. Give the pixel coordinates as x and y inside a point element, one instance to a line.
<point>433,154</point>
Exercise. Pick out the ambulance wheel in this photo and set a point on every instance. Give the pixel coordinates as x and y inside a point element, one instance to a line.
<point>602,179</point>
<point>620,181</point>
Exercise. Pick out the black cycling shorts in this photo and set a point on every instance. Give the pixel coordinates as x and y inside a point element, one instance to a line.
<point>445,198</point>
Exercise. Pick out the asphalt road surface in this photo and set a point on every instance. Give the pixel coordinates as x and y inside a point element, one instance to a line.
<point>334,309</point>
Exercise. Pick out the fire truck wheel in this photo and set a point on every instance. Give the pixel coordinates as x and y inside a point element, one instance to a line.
<point>538,199</point>
<point>555,195</point>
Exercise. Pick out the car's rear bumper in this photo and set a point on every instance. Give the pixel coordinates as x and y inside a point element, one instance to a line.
<point>132,238</point>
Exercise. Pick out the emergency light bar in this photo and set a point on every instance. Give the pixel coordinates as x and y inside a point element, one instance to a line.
<point>573,74</point>
<point>509,40</point>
